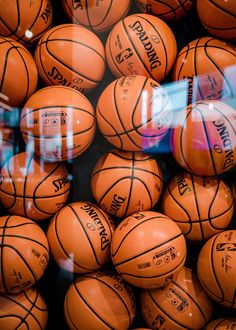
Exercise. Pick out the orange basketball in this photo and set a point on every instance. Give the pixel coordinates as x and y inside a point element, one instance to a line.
<point>141,44</point>
<point>208,66</point>
<point>16,65</point>
<point>168,10</point>
<point>147,249</point>
<point>218,17</point>
<point>25,21</point>
<point>72,56</point>
<point>32,188</point>
<point>201,206</point>
<point>222,324</point>
<point>134,113</point>
<point>101,300</point>
<point>203,138</point>
<point>98,16</point>
<point>217,268</point>
<point>58,123</point>
<point>24,253</point>
<point>125,182</point>
<point>25,310</point>
<point>79,237</point>
<point>182,304</point>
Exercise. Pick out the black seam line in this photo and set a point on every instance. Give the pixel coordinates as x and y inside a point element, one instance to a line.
<point>94,312</point>
<point>171,9</point>
<point>128,168</point>
<point>71,15</point>
<point>5,67</point>
<point>130,186</point>
<point>35,301</point>
<point>115,135</point>
<point>20,225</point>
<point>18,21</point>
<point>56,136</point>
<point>196,71</point>
<point>29,311</point>
<point>165,312</point>
<point>103,19</point>
<point>42,72</point>
<point>1,249</point>
<point>111,54</point>
<point>129,158</point>
<point>67,311</point>
<point>26,68</point>
<point>222,8</point>
<point>136,51</point>
<point>214,197</point>
<point>170,272</point>
<point>163,44</point>
<point>204,46</point>
<point>219,70</point>
<point>116,293</point>
<point>25,186</point>
<point>146,251</point>
<point>32,197</point>
<point>234,299</point>
<point>31,26</point>
<point>213,268</point>
<point>86,234</point>
<point>218,28</point>
<point>197,207</point>
<point>133,228</point>
<point>68,107</point>
<point>208,219</point>
<point>25,261</point>
<point>12,182</point>
<point>26,238</point>
<point>87,14</point>
<point>181,138</point>
<point>183,62</point>
<point>17,317</point>
<point>194,301</point>
<point>182,5</point>
<point>63,249</point>
<point>117,109</point>
<point>71,69</point>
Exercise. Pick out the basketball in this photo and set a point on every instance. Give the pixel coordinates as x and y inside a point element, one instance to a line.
<point>216,268</point>
<point>141,44</point>
<point>92,226</point>
<point>99,16</point>
<point>222,324</point>
<point>125,182</point>
<point>203,138</point>
<point>208,66</point>
<point>57,61</point>
<point>25,310</point>
<point>201,206</point>
<point>32,188</point>
<point>234,191</point>
<point>168,10</point>
<point>182,304</point>
<point>147,249</point>
<point>25,21</point>
<point>57,123</point>
<point>218,17</point>
<point>134,113</point>
<point>101,300</point>
<point>16,64</point>
<point>24,253</point>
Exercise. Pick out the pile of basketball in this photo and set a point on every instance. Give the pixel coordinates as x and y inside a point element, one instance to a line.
<point>133,242</point>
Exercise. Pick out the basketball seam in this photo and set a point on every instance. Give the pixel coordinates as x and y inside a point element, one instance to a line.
<point>213,269</point>
<point>193,300</point>
<point>222,9</point>
<point>218,28</point>
<point>25,182</point>
<point>35,301</point>
<point>130,187</point>
<point>144,252</point>
<point>1,247</point>
<point>26,238</point>
<point>165,312</point>
<point>87,304</point>
<point>67,311</point>
<point>17,317</point>
<point>136,159</point>
<point>64,250</point>
<point>18,21</point>
<point>111,54</point>
<point>195,69</point>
